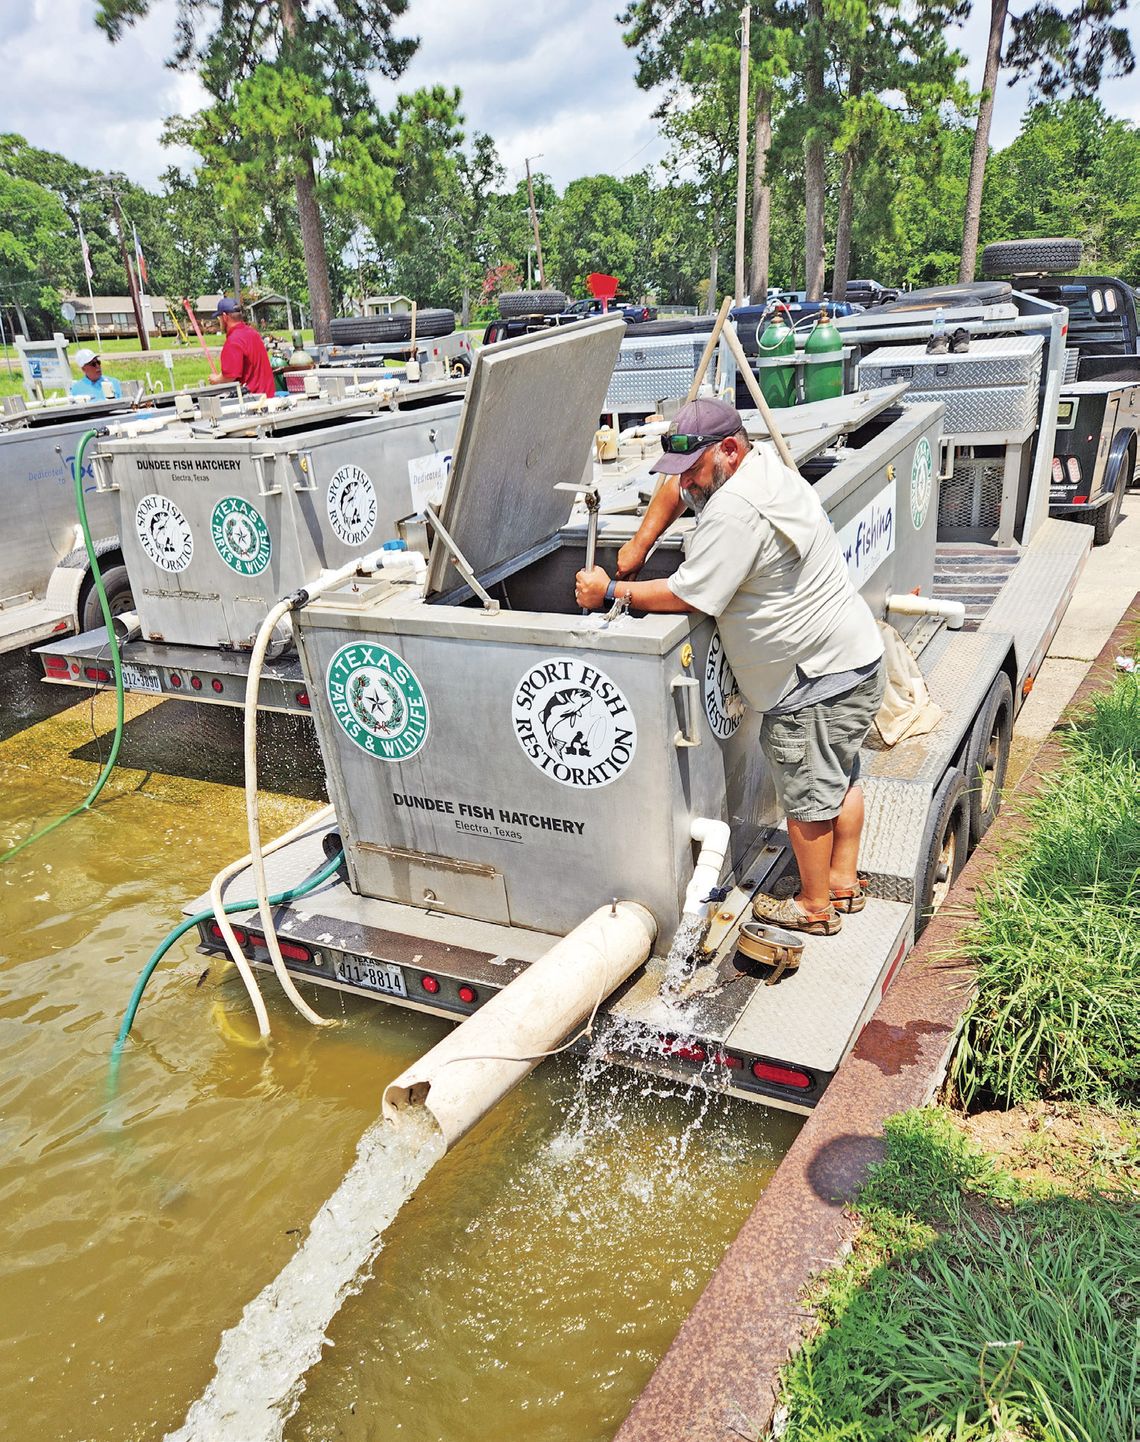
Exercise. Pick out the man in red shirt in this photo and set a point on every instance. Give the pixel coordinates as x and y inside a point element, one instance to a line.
<point>244,357</point>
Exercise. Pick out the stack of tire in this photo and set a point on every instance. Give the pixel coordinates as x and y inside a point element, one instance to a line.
<point>387,329</point>
<point>532,302</point>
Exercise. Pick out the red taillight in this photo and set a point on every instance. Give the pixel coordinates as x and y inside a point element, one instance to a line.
<point>1073,466</point>
<point>303,698</point>
<point>241,936</point>
<point>785,1076</point>
<point>217,686</point>
<point>429,984</point>
<point>196,682</point>
<point>55,666</point>
<point>175,679</point>
<point>468,994</point>
<point>724,1058</point>
<point>294,951</point>
<point>684,1051</point>
<point>1058,471</point>
<point>96,673</point>
<point>1080,500</point>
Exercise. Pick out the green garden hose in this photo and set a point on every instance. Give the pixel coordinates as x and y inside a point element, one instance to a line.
<point>116,657</point>
<point>168,941</point>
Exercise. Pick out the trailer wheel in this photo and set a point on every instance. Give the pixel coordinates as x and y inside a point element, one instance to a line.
<point>434,322</point>
<point>1104,520</point>
<point>117,585</point>
<point>532,302</point>
<point>945,842</point>
<point>365,329</point>
<point>988,756</point>
<point>1053,255</point>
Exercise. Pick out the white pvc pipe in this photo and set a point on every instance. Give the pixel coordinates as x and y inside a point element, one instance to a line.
<point>478,1063</point>
<point>378,560</point>
<point>713,837</point>
<point>908,605</point>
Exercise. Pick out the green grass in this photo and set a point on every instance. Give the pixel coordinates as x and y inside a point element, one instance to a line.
<point>1057,938</point>
<point>971,1311</point>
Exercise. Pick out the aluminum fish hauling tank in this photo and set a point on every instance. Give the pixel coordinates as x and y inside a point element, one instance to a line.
<point>222,515</point>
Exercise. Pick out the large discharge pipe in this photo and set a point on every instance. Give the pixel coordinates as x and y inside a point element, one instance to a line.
<point>476,1065</point>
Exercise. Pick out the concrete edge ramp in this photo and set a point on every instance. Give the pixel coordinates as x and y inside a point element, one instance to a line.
<point>478,1063</point>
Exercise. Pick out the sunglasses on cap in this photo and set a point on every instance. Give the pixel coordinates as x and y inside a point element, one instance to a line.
<point>683,445</point>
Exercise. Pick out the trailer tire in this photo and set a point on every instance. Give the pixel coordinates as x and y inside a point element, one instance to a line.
<point>117,585</point>
<point>949,297</point>
<point>678,325</point>
<point>532,302</point>
<point>1104,521</point>
<point>945,842</point>
<point>1053,255</point>
<point>434,322</point>
<point>987,757</point>
<point>365,329</point>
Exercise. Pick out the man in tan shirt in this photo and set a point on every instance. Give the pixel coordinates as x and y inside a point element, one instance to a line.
<point>804,647</point>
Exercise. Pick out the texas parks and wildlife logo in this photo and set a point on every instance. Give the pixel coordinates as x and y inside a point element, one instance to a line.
<point>573,722</point>
<point>377,700</point>
<point>921,482</point>
<point>241,536</point>
<point>351,504</point>
<point>164,533</point>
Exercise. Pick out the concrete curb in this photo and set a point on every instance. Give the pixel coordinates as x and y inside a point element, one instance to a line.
<point>719,1379</point>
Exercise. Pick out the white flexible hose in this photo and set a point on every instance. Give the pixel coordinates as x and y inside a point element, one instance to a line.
<point>217,902</point>
<point>408,560</point>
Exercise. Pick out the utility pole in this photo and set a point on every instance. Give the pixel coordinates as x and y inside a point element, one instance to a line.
<point>144,338</point>
<point>534,220</point>
<point>742,150</point>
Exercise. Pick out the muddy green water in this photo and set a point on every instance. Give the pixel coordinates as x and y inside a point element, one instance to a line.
<point>527,1289</point>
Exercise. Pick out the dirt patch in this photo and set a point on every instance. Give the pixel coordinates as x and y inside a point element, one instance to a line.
<point>1055,1146</point>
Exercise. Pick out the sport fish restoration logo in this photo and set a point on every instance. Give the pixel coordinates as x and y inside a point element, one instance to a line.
<point>241,536</point>
<point>724,705</point>
<point>574,723</point>
<point>378,701</point>
<point>351,504</point>
<point>164,533</point>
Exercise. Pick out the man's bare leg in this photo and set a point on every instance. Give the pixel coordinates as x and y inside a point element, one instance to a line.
<point>845,848</point>
<point>813,845</point>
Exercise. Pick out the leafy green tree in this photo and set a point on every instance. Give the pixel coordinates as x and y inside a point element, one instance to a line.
<point>289,81</point>
<point>34,231</point>
<point>595,228</point>
<point>1060,51</point>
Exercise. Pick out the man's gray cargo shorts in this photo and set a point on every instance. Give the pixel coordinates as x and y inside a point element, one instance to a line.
<point>814,753</point>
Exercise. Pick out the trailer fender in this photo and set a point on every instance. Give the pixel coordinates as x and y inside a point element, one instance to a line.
<point>78,580</point>
<point>1117,469</point>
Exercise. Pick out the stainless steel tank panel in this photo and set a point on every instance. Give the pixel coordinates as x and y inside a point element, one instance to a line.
<point>37,501</point>
<point>215,530</point>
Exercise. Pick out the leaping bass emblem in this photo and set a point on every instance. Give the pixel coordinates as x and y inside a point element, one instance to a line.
<point>573,723</point>
<point>378,701</point>
<point>351,504</point>
<point>164,533</point>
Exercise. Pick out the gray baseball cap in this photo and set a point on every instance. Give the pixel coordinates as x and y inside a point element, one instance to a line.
<point>696,427</point>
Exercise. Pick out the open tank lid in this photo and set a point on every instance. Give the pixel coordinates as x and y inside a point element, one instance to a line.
<point>527,426</point>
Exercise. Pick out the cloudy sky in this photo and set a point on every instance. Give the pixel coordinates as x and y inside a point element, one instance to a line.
<point>549,79</point>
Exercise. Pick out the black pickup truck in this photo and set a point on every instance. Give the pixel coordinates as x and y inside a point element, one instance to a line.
<point>1097,449</point>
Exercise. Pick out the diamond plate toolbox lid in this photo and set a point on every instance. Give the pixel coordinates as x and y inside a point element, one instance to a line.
<point>527,426</point>
<point>990,361</point>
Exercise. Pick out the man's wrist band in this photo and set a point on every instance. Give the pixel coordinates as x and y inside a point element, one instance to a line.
<point>611,593</point>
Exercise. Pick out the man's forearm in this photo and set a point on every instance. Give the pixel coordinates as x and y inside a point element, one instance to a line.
<point>651,596</point>
<point>662,511</point>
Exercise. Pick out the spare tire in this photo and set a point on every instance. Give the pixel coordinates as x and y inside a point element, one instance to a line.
<point>679,325</point>
<point>532,302</point>
<point>435,322</point>
<point>974,292</point>
<point>1053,255</point>
<point>363,329</point>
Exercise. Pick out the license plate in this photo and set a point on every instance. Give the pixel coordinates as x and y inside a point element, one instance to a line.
<point>141,678</point>
<point>371,975</point>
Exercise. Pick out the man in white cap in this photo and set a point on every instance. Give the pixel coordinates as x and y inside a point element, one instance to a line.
<point>93,384</point>
<point>805,649</point>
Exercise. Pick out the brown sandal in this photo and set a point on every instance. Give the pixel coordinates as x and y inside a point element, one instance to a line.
<point>786,912</point>
<point>851,898</point>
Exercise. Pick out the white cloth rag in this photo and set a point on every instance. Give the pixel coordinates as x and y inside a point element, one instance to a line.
<point>907,709</point>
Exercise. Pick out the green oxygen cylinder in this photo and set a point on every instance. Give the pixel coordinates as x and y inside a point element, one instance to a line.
<point>823,378</point>
<point>778,382</point>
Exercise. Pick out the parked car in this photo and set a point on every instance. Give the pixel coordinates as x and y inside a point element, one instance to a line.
<point>507,327</point>
<point>633,314</point>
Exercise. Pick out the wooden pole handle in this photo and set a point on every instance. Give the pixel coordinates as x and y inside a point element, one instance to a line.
<point>710,347</point>
<point>758,396</point>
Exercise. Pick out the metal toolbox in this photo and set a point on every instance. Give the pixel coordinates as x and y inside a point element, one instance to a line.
<point>220,519</point>
<point>991,388</point>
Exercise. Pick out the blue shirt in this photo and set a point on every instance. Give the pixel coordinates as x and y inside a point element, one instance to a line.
<point>93,390</point>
